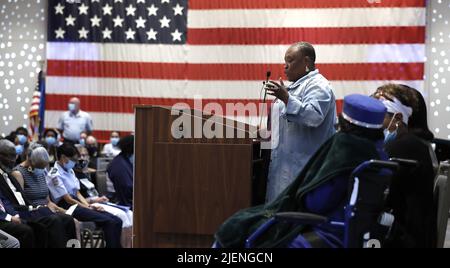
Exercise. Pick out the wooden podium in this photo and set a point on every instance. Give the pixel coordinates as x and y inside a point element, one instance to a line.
<point>185,187</point>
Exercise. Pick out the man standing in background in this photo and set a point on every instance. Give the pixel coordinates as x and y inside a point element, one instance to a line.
<point>74,121</point>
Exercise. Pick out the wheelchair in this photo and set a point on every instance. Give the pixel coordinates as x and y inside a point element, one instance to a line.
<point>367,221</point>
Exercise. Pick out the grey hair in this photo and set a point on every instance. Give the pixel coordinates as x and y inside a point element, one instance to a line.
<point>6,145</point>
<point>37,154</point>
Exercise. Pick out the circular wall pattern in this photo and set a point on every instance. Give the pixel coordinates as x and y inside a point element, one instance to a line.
<point>22,50</point>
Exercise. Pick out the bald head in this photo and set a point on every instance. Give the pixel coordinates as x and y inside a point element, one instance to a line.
<point>74,105</point>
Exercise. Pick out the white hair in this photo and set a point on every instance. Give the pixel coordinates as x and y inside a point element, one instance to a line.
<point>37,154</point>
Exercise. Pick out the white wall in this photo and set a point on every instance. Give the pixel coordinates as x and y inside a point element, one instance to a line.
<point>438,67</point>
<point>22,46</point>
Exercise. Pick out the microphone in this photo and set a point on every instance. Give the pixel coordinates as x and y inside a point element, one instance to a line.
<point>268,74</point>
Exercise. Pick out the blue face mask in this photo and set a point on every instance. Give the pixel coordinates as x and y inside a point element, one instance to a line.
<point>50,140</point>
<point>114,141</point>
<point>38,172</point>
<point>389,136</point>
<point>131,158</point>
<point>82,142</point>
<point>22,139</point>
<point>69,165</point>
<point>71,107</point>
<point>19,149</point>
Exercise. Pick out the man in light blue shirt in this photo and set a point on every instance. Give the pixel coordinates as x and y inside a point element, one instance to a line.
<point>73,122</point>
<point>303,117</point>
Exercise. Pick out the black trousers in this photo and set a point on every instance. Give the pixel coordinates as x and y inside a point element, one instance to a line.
<point>57,228</point>
<point>24,233</point>
<point>110,224</point>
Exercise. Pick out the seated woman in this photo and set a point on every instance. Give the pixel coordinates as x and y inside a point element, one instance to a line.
<point>112,149</point>
<point>120,171</point>
<point>322,186</point>
<point>51,143</point>
<point>30,174</point>
<point>411,194</point>
<point>88,190</point>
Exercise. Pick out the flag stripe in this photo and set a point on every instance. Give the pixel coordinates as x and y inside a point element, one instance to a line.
<point>263,4</point>
<point>273,36</point>
<point>121,121</point>
<point>398,53</point>
<point>125,104</point>
<point>147,70</point>
<point>215,89</point>
<point>307,18</point>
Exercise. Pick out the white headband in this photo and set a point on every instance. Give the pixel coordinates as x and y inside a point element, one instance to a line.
<point>396,107</point>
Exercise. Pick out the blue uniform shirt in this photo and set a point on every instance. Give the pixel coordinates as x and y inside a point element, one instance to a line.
<point>61,182</point>
<point>299,129</point>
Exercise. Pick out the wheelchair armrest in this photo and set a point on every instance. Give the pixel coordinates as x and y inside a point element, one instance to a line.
<point>301,218</point>
<point>405,162</point>
<point>293,217</point>
<point>375,164</point>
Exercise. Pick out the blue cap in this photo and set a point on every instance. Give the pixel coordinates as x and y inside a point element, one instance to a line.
<point>364,111</point>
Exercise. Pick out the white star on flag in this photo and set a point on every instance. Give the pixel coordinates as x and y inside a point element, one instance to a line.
<point>130,33</point>
<point>83,9</point>
<point>118,21</point>
<point>164,22</point>
<point>70,20</point>
<point>106,33</point>
<point>95,21</point>
<point>176,35</point>
<point>107,9</point>
<point>178,10</point>
<point>140,22</point>
<point>152,10</point>
<point>60,33</point>
<point>59,9</point>
<point>83,33</point>
<point>151,35</point>
<point>130,10</point>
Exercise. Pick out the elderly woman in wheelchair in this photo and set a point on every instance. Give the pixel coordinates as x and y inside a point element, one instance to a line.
<point>338,198</point>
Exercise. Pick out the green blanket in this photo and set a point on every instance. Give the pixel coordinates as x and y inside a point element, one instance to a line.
<point>338,156</point>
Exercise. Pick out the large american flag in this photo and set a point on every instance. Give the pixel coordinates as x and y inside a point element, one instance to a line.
<point>116,53</point>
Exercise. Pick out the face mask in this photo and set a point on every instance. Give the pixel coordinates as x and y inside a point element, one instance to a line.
<point>19,149</point>
<point>38,172</point>
<point>131,158</point>
<point>82,142</point>
<point>50,140</point>
<point>390,136</point>
<point>72,107</point>
<point>22,139</point>
<point>114,141</point>
<point>92,150</point>
<point>82,164</point>
<point>7,164</point>
<point>69,165</point>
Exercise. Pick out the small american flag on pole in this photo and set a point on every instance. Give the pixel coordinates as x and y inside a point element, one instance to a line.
<point>36,114</point>
<point>116,53</point>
